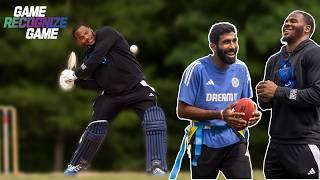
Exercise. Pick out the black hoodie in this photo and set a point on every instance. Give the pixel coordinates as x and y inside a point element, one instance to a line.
<point>110,64</point>
<point>295,109</point>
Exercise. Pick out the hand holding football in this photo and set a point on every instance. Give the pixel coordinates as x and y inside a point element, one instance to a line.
<point>247,106</point>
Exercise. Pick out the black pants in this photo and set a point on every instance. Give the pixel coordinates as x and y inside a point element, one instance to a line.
<point>291,161</point>
<point>107,107</point>
<point>233,161</point>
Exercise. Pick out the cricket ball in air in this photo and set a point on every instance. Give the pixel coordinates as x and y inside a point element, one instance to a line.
<point>134,49</point>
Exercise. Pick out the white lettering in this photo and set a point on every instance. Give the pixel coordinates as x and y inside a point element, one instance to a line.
<point>221,97</point>
<point>17,11</point>
<point>42,33</point>
<point>29,33</point>
<point>214,97</point>
<point>30,11</point>
<point>42,11</point>
<point>209,97</point>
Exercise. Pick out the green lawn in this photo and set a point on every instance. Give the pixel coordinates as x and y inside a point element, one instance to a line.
<point>257,175</point>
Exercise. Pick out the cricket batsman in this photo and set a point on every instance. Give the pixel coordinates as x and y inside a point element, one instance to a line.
<point>109,66</point>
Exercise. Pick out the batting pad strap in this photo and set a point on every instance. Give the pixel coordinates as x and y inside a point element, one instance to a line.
<point>95,131</point>
<point>93,136</point>
<point>153,126</point>
<point>154,119</point>
<point>98,127</point>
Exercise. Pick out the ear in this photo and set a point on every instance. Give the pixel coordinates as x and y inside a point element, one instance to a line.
<point>307,29</point>
<point>213,47</point>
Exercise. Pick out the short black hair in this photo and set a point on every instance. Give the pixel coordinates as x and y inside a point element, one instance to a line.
<point>76,27</point>
<point>218,29</point>
<point>308,18</point>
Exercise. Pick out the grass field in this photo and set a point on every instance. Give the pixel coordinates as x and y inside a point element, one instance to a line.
<point>257,175</point>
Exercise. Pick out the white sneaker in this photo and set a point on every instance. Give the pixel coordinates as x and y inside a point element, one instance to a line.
<point>72,170</point>
<point>158,172</point>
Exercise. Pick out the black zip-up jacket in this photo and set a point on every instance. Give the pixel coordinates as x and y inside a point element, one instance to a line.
<point>110,64</point>
<point>295,111</point>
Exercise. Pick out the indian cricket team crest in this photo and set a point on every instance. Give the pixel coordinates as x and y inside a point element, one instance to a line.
<point>235,82</point>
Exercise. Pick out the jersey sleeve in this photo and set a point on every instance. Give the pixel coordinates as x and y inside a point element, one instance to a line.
<point>105,40</point>
<point>247,88</point>
<point>265,105</point>
<point>189,84</point>
<point>308,97</point>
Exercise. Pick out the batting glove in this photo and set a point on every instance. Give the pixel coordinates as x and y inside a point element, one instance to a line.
<point>66,79</point>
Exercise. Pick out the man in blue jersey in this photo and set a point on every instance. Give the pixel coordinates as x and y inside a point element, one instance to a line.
<point>208,89</point>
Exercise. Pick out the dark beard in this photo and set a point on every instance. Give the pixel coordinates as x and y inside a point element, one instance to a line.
<point>288,39</point>
<point>224,58</point>
<point>297,34</point>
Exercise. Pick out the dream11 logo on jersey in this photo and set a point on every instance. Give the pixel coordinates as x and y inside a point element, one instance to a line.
<point>33,19</point>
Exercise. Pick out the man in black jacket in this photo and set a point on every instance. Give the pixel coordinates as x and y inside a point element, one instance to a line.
<point>291,88</point>
<point>111,67</point>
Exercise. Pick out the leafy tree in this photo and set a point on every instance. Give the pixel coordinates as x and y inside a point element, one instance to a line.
<point>170,35</point>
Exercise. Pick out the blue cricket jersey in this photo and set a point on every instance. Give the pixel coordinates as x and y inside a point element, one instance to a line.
<point>205,86</point>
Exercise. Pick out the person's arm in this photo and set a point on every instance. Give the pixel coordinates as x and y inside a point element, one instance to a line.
<point>309,97</point>
<point>105,40</point>
<point>188,89</point>
<point>90,84</point>
<point>264,103</point>
<point>186,111</point>
<point>233,119</point>
<point>187,96</point>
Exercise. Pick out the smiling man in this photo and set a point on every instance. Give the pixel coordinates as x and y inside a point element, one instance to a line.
<point>291,88</point>
<point>208,89</point>
<point>110,66</point>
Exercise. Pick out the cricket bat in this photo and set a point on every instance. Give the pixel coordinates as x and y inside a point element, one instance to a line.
<point>72,61</point>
